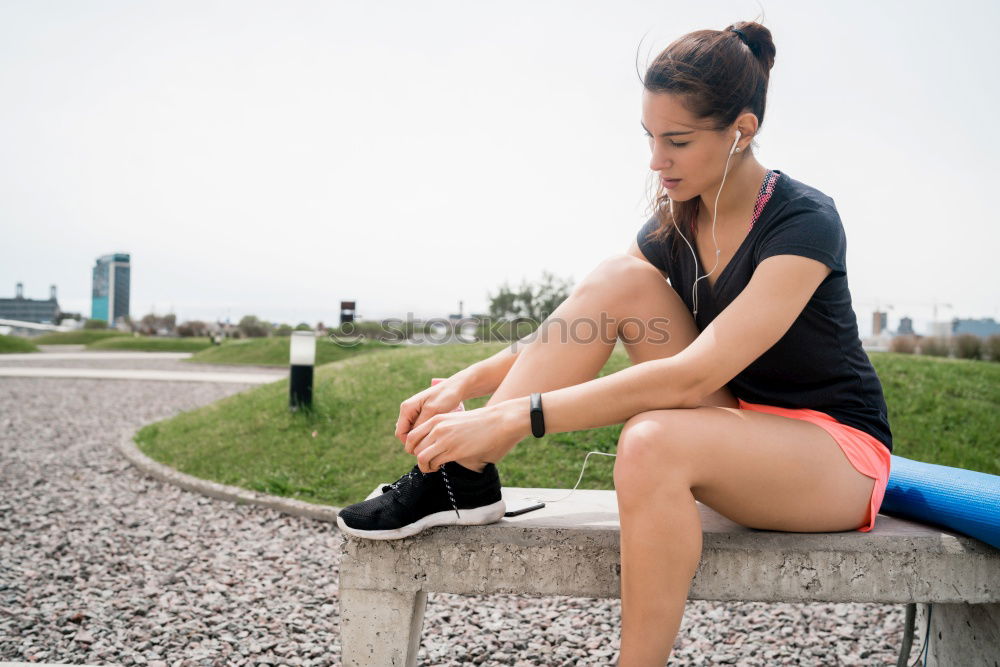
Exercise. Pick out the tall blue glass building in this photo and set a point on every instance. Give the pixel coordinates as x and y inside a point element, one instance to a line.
<point>111,284</point>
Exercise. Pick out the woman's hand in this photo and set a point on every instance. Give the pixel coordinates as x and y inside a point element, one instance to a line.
<point>440,398</point>
<point>484,435</point>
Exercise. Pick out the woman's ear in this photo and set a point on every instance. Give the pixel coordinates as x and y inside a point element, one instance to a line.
<point>747,124</point>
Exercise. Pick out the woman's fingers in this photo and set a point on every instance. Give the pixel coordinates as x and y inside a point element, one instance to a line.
<point>416,440</point>
<point>409,415</point>
<point>424,461</point>
<point>405,421</point>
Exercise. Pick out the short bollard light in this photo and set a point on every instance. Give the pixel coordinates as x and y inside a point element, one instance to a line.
<point>303,358</point>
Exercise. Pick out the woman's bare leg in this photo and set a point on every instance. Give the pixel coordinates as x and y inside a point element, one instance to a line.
<point>623,297</point>
<point>620,298</point>
<point>760,470</point>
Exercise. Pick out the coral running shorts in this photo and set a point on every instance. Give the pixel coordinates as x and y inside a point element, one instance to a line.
<point>868,456</point>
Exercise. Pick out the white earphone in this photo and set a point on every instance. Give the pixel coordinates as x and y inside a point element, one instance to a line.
<point>715,214</point>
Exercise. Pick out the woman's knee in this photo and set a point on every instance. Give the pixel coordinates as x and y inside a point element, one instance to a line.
<point>649,454</point>
<point>621,273</point>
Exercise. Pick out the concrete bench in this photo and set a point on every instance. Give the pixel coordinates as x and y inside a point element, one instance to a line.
<point>572,548</point>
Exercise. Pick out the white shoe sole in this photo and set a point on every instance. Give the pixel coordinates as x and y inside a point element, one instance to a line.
<point>479,516</point>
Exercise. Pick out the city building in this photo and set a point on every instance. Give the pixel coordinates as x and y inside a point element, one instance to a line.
<point>941,329</point>
<point>905,326</point>
<point>880,321</point>
<point>984,327</point>
<point>111,285</point>
<point>40,311</point>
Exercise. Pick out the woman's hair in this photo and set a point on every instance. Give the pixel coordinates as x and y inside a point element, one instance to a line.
<point>717,77</point>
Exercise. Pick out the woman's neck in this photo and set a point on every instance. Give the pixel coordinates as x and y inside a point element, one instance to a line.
<point>738,194</point>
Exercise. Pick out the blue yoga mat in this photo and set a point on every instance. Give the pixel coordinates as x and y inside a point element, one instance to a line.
<point>963,501</point>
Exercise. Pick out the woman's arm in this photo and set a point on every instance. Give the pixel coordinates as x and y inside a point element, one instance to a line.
<point>778,291</point>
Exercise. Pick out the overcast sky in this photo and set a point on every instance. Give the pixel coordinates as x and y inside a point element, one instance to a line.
<point>275,158</point>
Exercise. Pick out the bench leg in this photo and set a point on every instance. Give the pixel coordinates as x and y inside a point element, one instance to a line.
<point>381,627</point>
<point>961,634</point>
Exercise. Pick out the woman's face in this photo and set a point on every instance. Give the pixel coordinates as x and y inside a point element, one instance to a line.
<point>690,152</point>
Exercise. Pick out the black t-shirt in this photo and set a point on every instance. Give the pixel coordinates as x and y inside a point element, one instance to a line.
<point>819,362</point>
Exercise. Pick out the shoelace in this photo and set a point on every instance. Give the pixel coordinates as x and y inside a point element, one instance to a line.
<point>444,476</point>
<point>398,483</point>
<point>408,477</point>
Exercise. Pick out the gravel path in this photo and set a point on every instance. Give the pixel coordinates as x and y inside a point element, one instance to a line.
<point>100,564</point>
<point>44,360</point>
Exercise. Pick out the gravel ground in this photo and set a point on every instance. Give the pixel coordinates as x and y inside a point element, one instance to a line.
<point>100,564</point>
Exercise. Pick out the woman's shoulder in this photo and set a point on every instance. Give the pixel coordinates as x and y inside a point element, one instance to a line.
<point>799,196</point>
<point>805,223</point>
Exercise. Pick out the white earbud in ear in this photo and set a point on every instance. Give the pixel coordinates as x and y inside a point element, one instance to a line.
<point>734,149</point>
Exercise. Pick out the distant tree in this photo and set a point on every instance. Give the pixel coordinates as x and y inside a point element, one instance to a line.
<point>302,326</point>
<point>968,346</point>
<point>534,301</point>
<point>283,330</point>
<point>192,328</point>
<point>147,325</point>
<point>935,346</point>
<point>252,327</point>
<point>903,344</point>
<point>95,324</point>
<point>991,347</point>
<point>153,324</point>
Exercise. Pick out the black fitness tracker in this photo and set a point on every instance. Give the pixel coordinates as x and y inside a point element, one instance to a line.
<point>537,418</point>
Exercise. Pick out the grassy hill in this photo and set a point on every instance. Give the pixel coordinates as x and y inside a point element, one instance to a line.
<point>13,344</point>
<point>274,351</point>
<point>80,337</point>
<point>941,410</point>
<point>150,344</point>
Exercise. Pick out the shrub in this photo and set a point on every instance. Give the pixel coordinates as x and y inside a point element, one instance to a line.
<point>95,324</point>
<point>934,346</point>
<point>991,347</point>
<point>192,328</point>
<point>903,344</point>
<point>152,324</point>
<point>251,327</point>
<point>968,346</point>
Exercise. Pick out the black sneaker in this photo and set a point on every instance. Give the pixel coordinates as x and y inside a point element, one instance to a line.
<point>452,495</point>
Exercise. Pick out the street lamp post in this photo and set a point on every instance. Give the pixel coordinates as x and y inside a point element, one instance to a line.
<point>302,360</point>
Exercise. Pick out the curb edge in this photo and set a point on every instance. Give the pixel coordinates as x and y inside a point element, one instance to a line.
<point>127,448</point>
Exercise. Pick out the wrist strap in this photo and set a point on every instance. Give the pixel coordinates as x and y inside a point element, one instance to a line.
<point>537,418</point>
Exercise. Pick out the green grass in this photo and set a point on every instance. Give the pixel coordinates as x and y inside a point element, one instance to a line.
<point>151,344</point>
<point>81,337</point>
<point>12,344</point>
<point>941,411</point>
<point>274,351</point>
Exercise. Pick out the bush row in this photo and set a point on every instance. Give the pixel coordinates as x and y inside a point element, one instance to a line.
<point>963,346</point>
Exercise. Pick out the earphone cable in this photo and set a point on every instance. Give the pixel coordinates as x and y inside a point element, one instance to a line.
<point>715,215</point>
<point>585,459</point>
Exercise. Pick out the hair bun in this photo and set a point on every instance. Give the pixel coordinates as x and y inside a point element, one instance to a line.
<point>758,38</point>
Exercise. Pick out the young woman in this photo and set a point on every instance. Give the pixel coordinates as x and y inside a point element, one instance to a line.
<point>760,403</point>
